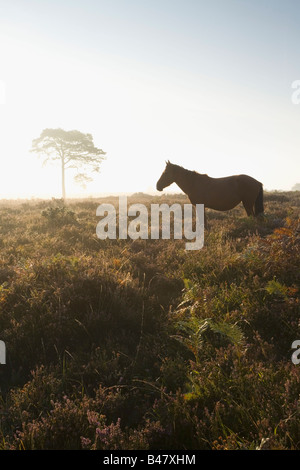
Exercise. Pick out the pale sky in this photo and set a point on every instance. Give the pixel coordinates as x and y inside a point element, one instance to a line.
<point>205,84</point>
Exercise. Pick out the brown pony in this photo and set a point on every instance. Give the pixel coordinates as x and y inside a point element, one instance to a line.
<point>221,194</point>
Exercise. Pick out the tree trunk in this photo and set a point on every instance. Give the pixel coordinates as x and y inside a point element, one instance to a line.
<point>63,189</point>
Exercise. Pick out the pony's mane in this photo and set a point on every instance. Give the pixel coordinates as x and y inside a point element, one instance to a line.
<point>190,172</point>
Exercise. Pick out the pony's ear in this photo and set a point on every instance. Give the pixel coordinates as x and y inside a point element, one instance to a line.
<point>168,162</point>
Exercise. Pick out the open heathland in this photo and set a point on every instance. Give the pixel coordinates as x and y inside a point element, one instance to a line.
<point>141,344</point>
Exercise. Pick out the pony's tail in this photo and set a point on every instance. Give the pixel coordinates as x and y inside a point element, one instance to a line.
<point>259,203</point>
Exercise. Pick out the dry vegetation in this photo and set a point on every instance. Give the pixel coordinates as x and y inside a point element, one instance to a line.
<point>122,344</point>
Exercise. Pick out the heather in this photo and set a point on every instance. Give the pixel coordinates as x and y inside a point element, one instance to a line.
<point>140,344</point>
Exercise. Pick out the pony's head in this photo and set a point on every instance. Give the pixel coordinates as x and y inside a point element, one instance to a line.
<point>166,178</point>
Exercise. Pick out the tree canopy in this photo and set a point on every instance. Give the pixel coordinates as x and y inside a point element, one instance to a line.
<point>73,148</point>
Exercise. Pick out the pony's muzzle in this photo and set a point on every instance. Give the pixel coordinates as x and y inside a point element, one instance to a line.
<point>158,187</point>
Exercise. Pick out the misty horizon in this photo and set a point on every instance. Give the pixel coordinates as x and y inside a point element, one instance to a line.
<point>208,86</point>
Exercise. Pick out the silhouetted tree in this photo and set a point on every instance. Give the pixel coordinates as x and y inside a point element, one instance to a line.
<point>74,150</point>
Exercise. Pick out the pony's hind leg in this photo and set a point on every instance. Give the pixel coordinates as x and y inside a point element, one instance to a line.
<point>249,208</point>
<point>259,203</point>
